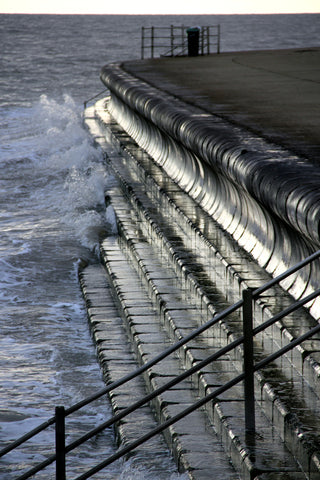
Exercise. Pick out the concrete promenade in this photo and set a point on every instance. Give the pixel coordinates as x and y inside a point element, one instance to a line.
<point>274,93</point>
<point>169,270</point>
<point>191,187</point>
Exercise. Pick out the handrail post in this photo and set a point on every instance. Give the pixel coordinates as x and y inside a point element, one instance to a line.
<point>152,41</point>
<point>205,40</point>
<point>248,361</point>
<point>182,39</point>
<point>201,37</point>
<point>142,43</point>
<point>171,39</point>
<point>60,444</point>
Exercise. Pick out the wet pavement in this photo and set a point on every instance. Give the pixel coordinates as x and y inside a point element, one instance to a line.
<point>273,93</point>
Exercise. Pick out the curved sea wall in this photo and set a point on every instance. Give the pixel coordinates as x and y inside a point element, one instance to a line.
<point>267,199</point>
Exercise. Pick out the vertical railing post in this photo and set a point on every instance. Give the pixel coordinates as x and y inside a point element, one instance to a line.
<point>142,43</point>
<point>248,361</point>
<point>171,40</point>
<point>60,444</point>
<point>205,40</point>
<point>182,39</point>
<point>202,37</point>
<point>218,46</point>
<point>152,40</point>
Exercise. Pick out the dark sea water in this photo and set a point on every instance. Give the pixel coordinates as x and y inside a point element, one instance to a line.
<point>52,186</point>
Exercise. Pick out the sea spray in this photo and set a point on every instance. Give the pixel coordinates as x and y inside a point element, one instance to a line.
<point>78,175</point>
<point>52,191</point>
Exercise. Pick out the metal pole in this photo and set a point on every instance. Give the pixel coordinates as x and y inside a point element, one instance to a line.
<point>218,47</point>
<point>182,39</point>
<point>172,40</point>
<point>60,444</point>
<point>142,42</point>
<point>202,37</point>
<point>152,40</point>
<point>248,361</point>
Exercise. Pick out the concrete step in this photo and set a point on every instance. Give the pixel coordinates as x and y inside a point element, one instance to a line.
<point>178,317</point>
<point>233,268</point>
<point>222,266</point>
<point>195,448</point>
<point>290,369</point>
<point>117,359</point>
<point>222,260</point>
<point>293,400</point>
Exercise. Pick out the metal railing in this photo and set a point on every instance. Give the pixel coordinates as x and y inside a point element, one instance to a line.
<point>85,103</point>
<point>246,339</point>
<point>173,41</point>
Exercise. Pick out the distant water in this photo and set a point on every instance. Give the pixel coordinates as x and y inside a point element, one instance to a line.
<point>52,212</point>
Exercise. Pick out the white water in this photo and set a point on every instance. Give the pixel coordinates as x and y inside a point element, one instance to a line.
<point>50,220</point>
<point>53,216</point>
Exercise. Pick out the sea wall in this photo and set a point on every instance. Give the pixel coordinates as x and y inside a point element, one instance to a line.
<point>268,202</point>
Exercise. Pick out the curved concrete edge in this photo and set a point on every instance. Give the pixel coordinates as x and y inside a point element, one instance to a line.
<point>293,201</point>
<point>259,199</point>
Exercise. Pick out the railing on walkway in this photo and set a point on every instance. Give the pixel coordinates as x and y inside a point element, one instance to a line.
<point>173,41</point>
<point>246,339</point>
<point>85,103</point>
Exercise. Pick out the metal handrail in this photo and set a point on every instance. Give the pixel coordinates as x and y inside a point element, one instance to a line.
<point>263,363</point>
<point>255,294</point>
<point>183,47</point>
<point>94,97</point>
<point>219,316</point>
<point>200,365</point>
<point>176,39</point>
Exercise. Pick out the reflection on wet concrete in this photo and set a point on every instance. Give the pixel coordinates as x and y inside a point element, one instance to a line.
<point>170,233</point>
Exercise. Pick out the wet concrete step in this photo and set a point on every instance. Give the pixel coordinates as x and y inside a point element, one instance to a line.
<point>232,268</point>
<point>117,359</point>
<point>227,266</point>
<point>194,447</point>
<point>290,409</point>
<point>179,317</point>
<point>224,261</point>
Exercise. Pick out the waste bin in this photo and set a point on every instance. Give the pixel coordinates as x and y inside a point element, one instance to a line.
<point>193,41</point>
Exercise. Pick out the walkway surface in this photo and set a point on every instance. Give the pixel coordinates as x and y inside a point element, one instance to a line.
<point>274,93</point>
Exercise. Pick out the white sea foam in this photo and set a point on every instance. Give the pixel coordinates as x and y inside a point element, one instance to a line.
<point>130,471</point>
<point>11,278</point>
<point>67,158</point>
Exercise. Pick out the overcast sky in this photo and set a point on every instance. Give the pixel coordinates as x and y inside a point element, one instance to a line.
<point>160,6</point>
